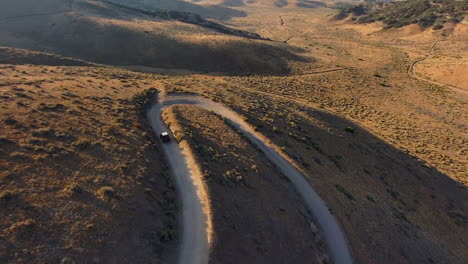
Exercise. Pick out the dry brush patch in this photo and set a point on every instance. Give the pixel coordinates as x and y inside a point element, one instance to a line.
<point>398,109</point>
<point>81,177</point>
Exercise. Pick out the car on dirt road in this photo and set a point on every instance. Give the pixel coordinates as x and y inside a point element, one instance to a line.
<point>164,136</point>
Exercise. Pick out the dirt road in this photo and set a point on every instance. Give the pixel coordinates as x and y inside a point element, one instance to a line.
<point>414,74</point>
<point>194,218</point>
<point>194,247</point>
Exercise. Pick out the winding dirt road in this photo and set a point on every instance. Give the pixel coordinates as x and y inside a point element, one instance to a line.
<point>195,209</point>
<point>195,223</point>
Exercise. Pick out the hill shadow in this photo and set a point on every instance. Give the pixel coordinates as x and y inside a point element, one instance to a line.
<point>309,4</point>
<point>234,3</point>
<point>281,3</point>
<point>184,17</point>
<point>24,8</point>
<point>86,38</point>
<point>392,207</point>
<point>211,11</point>
<point>21,57</point>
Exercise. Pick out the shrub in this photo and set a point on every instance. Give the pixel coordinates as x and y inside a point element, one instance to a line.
<point>370,198</point>
<point>233,176</point>
<point>344,191</point>
<point>254,168</point>
<point>82,143</point>
<point>43,132</point>
<point>349,129</point>
<point>73,188</point>
<point>6,195</point>
<point>144,100</point>
<point>106,192</point>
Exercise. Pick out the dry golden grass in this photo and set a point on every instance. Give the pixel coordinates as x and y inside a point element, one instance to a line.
<point>446,70</point>
<point>81,177</point>
<point>379,101</point>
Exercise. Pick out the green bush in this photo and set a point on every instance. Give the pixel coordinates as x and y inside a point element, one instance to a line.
<point>349,130</point>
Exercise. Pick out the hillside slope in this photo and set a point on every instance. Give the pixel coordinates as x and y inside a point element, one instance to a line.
<point>257,215</point>
<point>108,34</point>
<point>212,10</point>
<point>392,207</point>
<point>81,178</point>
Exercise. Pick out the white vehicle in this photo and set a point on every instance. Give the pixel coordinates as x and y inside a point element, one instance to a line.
<point>164,136</point>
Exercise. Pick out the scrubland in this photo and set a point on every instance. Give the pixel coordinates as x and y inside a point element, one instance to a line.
<point>82,178</point>
<point>376,118</point>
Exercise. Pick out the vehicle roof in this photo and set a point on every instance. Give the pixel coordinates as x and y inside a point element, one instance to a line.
<point>164,134</point>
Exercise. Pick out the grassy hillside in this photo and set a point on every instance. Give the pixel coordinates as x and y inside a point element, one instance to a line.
<point>82,180</point>
<point>212,10</point>
<point>186,17</point>
<point>398,201</point>
<point>426,13</point>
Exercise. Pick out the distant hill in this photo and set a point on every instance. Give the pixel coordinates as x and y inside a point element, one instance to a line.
<point>182,16</point>
<point>207,11</point>
<point>426,13</point>
<point>116,34</point>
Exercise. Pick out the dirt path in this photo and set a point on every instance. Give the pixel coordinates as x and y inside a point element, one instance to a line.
<point>422,78</point>
<point>423,59</point>
<point>195,223</point>
<point>167,71</point>
<point>282,23</point>
<point>194,248</point>
<point>319,72</point>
